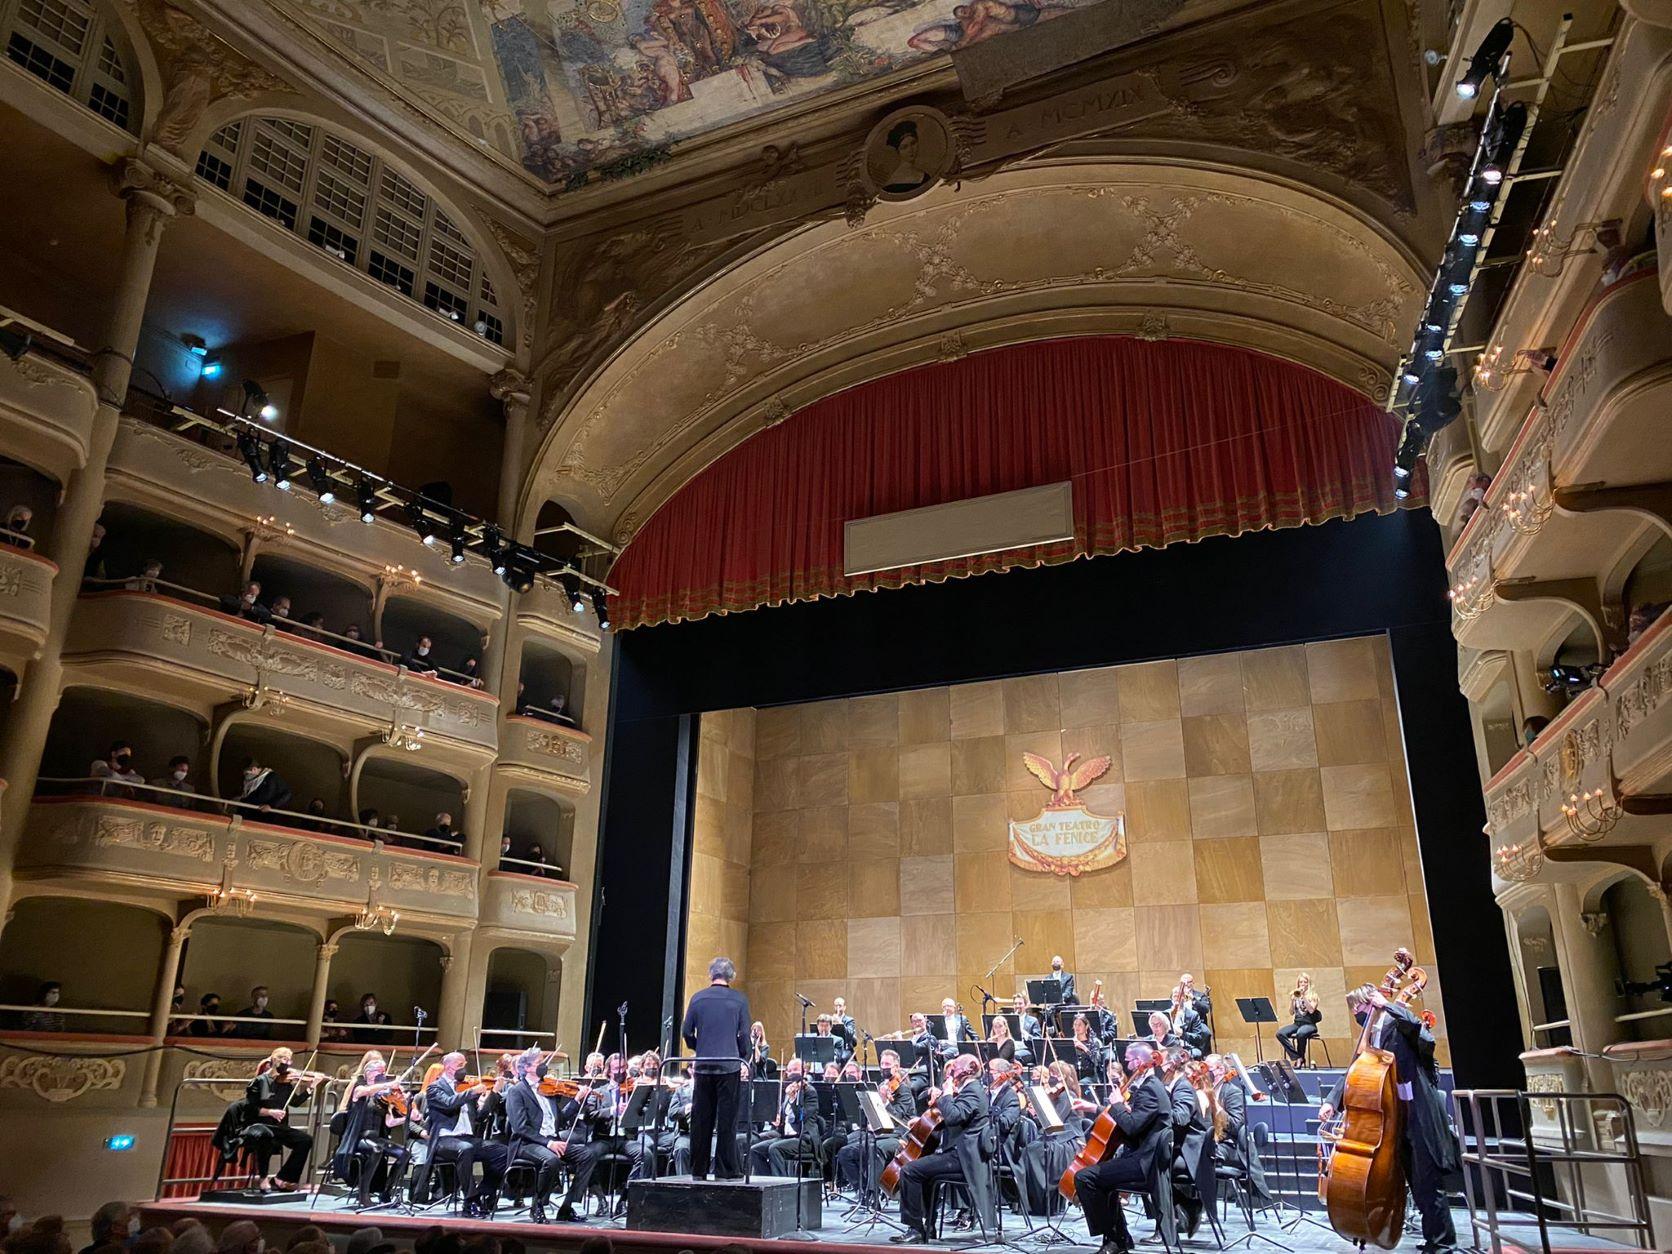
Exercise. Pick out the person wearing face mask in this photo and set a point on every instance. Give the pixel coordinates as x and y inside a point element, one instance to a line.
<point>417,658</point>
<point>16,532</point>
<point>369,1019</point>
<point>263,1120</point>
<point>146,580</point>
<point>257,1009</point>
<point>247,604</point>
<point>469,673</point>
<point>117,765</point>
<point>208,1006</point>
<point>1430,1149</point>
<point>447,840</point>
<point>505,860</point>
<point>178,1024</point>
<point>44,1018</point>
<point>354,642</point>
<point>264,788</point>
<point>331,1031</point>
<point>179,777</point>
<point>280,612</point>
<point>366,1156</point>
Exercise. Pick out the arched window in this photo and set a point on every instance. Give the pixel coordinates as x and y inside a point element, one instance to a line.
<point>352,204</point>
<point>67,44</point>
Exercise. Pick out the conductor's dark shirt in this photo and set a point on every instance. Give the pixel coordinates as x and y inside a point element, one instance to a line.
<point>716,1029</point>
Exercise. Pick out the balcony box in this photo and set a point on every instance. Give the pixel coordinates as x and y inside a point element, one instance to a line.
<point>25,605</point>
<point>1559,1070</point>
<point>545,752</point>
<point>1639,688</point>
<point>545,608</point>
<point>46,414</point>
<point>1643,1076</point>
<point>528,905</point>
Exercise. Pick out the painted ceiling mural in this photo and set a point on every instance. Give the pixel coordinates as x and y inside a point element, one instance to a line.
<point>574,86</point>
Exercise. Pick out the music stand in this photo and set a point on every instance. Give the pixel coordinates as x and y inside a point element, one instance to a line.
<point>1013,1019</point>
<point>1281,1081</point>
<point>1046,992</point>
<point>759,1105</point>
<point>1257,1010</point>
<point>1140,1021</point>
<point>1147,1004</point>
<point>814,1049</point>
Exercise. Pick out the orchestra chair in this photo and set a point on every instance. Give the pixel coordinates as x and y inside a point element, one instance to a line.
<point>1255,1137</point>
<point>442,1185</point>
<point>609,1181</point>
<point>519,1184</point>
<point>1306,1043</point>
<point>942,1193</point>
<point>1157,1195</point>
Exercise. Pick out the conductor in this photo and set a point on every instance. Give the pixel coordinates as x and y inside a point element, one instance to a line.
<point>716,1030</point>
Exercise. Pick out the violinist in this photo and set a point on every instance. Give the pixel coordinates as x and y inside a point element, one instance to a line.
<point>1303,1007</point>
<point>761,1062</point>
<point>1088,1050</point>
<point>679,1119</point>
<point>455,1114</point>
<point>1430,1144</point>
<point>964,1129</point>
<point>1145,1121</point>
<point>1192,1160</point>
<point>1004,1108</point>
<point>549,1128</point>
<point>901,1103</point>
<point>265,1117</point>
<point>374,1102</point>
<point>796,1132</point>
<point>1231,1098</point>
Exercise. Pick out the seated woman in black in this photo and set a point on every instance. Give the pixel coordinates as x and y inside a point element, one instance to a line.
<point>366,1153</point>
<point>1303,1005</point>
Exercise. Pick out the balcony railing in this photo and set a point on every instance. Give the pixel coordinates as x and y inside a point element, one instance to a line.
<point>227,658</point>
<point>46,413</point>
<point>1603,425</point>
<point>1572,786</point>
<point>25,603</point>
<point>186,852</point>
<point>546,751</point>
<point>525,903</point>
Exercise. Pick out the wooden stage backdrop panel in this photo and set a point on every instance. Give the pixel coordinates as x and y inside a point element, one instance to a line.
<point>1268,820</point>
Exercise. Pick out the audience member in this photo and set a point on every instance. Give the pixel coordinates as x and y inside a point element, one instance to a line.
<point>158,1240</point>
<point>1643,617</point>
<point>1474,496</point>
<point>537,856</point>
<point>257,1009</point>
<point>371,1017</point>
<point>313,627</point>
<point>280,612</point>
<point>192,1240</point>
<point>16,533</point>
<point>179,1226</point>
<point>356,643</point>
<point>8,1217</point>
<point>331,1030</point>
<point>42,1238</point>
<point>43,1018</point>
<point>94,572</point>
<point>178,778</point>
<point>247,604</point>
<point>117,764</point>
<point>208,1006</point>
<point>241,1237</point>
<point>417,658</point>
<point>114,1222</point>
<point>556,709</point>
<point>304,1234</point>
<point>146,580</point>
<point>264,788</point>
<point>365,1240</point>
<point>1531,726</point>
<point>318,818</point>
<point>178,1024</point>
<point>449,840</point>
<point>469,673</point>
<point>505,861</point>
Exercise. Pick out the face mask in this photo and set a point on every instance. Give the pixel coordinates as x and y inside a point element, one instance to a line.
<point>122,759</point>
<point>261,1003</point>
<point>249,598</point>
<point>371,1008</point>
<point>52,999</point>
<point>182,773</point>
<point>281,611</point>
<point>251,774</point>
<point>1359,1017</point>
<point>540,1072</point>
<point>14,1224</point>
<point>133,1226</point>
<point>214,1009</point>
<point>423,650</point>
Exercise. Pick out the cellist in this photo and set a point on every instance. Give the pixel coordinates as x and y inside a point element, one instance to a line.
<point>1430,1150</point>
<point>964,1111</point>
<point>1145,1121</point>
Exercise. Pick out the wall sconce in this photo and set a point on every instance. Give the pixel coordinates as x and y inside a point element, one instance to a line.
<point>403,736</point>
<point>237,902</point>
<point>1548,255</point>
<point>1525,512</point>
<point>1519,862</point>
<point>268,700</point>
<point>1591,815</point>
<point>1493,377</point>
<point>1470,599</point>
<point>376,918</point>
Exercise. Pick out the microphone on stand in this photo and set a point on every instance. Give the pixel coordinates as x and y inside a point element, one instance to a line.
<point>804,1001</point>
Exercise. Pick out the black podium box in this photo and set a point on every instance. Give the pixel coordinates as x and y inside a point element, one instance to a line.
<point>763,1207</point>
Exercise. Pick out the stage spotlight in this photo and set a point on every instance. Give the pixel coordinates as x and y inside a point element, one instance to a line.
<point>600,606</point>
<point>1487,59</point>
<point>15,342</point>
<point>1438,404</point>
<point>249,448</point>
<point>1459,269</point>
<point>321,480</point>
<point>420,522</point>
<point>1470,226</point>
<point>196,345</point>
<point>367,498</point>
<point>1502,136</point>
<point>572,589</point>
<point>1400,492</point>
<point>493,544</point>
<point>1437,317</point>
<point>212,366</point>
<point>256,398</point>
<point>456,539</point>
<point>278,461</point>
<point>519,568</point>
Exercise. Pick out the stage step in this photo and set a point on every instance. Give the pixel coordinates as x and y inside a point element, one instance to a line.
<point>764,1207</point>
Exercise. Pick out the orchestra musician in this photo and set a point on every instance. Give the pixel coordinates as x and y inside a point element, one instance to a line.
<point>1193,1139</point>
<point>826,1026</point>
<point>1069,998</point>
<point>373,1103</point>
<point>1303,1007</point>
<point>1198,998</point>
<point>261,1120</point>
<point>1186,1024</point>
<point>607,1135</point>
<point>841,1022</point>
<point>455,1117</point>
<point>1004,1045</point>
<point>901,1104</point>
<point>1004,1105</point>
<point>965,1140</point>
<point>548,1129</point>
<point>797,1130</point>
<point>1232,1099</point>
<point>679,1117</point>
<point>924,1048</point>
<point>1145,1121</point>
<point>1033,1029</point>
<point>1430,1151</point>
<point>957,1027</point>
<point>1160,1032</point>
<point>1088,1050</point>
<point>761,1061</point>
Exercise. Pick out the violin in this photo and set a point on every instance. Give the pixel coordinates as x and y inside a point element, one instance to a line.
<point>551,1086</point>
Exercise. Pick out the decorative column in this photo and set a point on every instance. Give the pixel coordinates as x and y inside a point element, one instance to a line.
<point>316,999</point>
<point>1587,979</point>
<point>162,1003</point>
<point>152,199</point>
<point>453,1019</point>
<point>511,389</point>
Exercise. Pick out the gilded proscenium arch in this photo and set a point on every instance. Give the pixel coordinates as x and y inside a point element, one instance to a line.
<point>1130,247</point>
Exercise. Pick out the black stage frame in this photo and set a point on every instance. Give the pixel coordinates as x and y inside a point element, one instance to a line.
<point>1373,574</point>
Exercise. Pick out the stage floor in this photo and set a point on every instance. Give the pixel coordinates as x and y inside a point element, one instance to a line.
<point>338,1217</point>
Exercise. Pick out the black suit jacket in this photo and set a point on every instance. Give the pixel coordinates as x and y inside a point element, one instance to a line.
<point>716,1028</point>
<point>967,1131</point>
<point>272,791</point>
<point>442,1103</point>
<point>1069,997</point>
<point>523,1117</point>
<point>1147,1122</point>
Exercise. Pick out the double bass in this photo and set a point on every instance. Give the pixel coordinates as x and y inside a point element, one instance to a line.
<point>1361,1179</point>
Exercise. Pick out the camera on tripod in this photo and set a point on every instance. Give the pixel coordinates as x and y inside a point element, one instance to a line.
<point>1662,984</point>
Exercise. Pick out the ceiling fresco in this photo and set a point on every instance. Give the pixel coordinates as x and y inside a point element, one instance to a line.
<point>576,87</point>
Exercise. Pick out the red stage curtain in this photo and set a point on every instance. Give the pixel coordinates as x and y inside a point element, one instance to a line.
<point>1165,441</point>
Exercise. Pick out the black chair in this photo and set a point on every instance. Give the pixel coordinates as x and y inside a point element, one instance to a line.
<point>1306,1043</point>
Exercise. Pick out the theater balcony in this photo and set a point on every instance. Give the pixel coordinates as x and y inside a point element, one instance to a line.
<point>528,906</point>
<point>46,410</point>
<point>1597,777</point>
<point>545,609</point>
<point>215,849</point>
<point>25,605</point>
<point>1582,490</point>
<point>135,640</point>
<point>541,752</point>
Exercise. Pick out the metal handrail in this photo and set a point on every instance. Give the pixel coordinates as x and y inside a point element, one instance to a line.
<point>158,794</point>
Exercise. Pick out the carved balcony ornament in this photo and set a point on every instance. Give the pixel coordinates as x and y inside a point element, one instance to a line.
<point>1650,1093</point>
<point>1549,253</point>
<point>1545,1082</point>
<point>60,1078</point>
<point>1593,921</point>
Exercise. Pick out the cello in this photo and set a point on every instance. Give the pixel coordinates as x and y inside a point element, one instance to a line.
<point>1102,1140</point>
<point>1361,1179</point>
<point>922,1132</point>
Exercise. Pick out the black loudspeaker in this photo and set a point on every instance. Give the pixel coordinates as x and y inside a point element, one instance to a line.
<point>505,1008</point>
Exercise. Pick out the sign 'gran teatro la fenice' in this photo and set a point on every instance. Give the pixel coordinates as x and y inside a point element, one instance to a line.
<point>1066,838</point>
